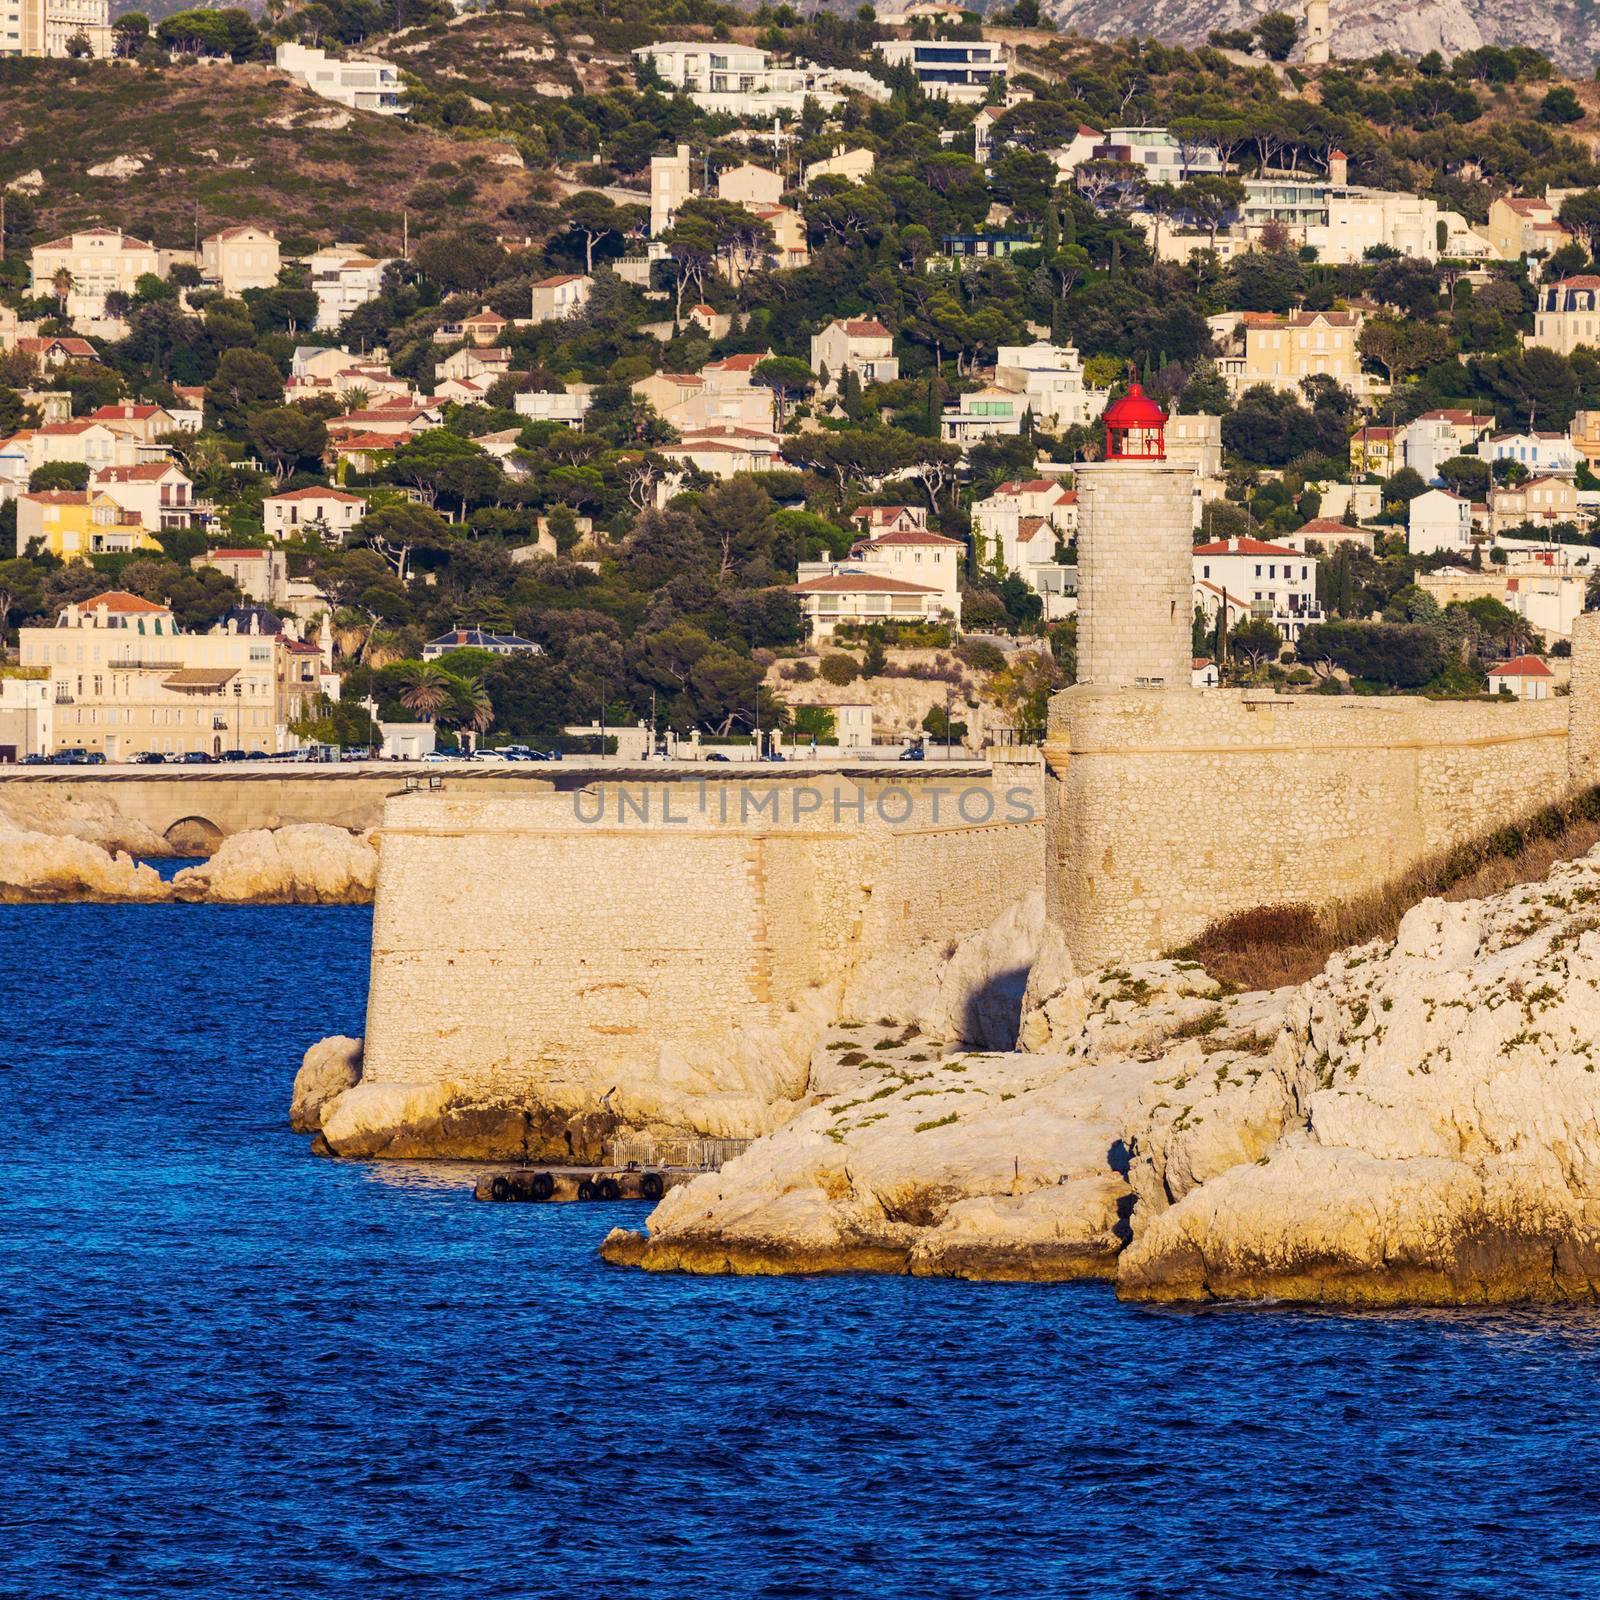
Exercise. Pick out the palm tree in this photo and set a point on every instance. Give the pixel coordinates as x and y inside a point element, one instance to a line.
<point>356,398</point>
<point>426,689</point>
<point>473,708</point>
<point>62,284</point>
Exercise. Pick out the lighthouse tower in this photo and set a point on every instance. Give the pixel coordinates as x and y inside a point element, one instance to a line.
<point>1135,561</point>
<point>1319,34</point>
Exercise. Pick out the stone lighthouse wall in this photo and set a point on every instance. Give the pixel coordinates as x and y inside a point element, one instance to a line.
<point>1135,574</point>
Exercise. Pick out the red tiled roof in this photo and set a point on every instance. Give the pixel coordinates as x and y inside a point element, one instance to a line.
<point>73,347</point>
<point>744,363</point>
<point>1297,319</point>
<point>126,413</point>
<point>1244,547</point>
<point>236,555</point>
<point>553,283</point>
<point>911,536</point>
<point>1331,525</point>
<point>865,328</point>
<point>119,600</point>
<point>58,497</point>
<point>1521,667</point>
<point>322,494</point>
<point>149,472</point>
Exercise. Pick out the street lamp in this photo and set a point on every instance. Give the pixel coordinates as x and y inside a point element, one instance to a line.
<point>238,714</point>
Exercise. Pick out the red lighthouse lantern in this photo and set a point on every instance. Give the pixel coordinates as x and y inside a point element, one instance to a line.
<point>1135,428</point>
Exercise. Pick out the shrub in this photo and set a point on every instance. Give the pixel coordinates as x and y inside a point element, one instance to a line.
<point>840,669</point>
<point>981,655</point>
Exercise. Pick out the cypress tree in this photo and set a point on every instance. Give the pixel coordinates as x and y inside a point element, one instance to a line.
<point>1069,226</point>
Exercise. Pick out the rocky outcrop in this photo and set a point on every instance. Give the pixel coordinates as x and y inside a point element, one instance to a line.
<point>37,867</point>
<point>330,1067</point>
<point>1426,1129</point>
<point>933,1161</point>
<point>306,863</point>
<point>53,808</point>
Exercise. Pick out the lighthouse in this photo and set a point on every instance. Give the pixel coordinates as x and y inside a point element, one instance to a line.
<point>1135,566</point>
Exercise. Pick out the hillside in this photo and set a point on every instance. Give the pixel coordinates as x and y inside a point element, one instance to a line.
<point>1568,31</point>
<point>222,144</point>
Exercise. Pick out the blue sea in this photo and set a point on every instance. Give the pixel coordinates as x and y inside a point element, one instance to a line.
<point>230,1369</point>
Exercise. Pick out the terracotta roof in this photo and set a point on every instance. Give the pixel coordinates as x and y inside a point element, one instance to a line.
<point>744,363</point>
<point>1297,319</point>
<point>126,413</point>
<point>121,601</point>
<point>857,583</point>
<point>320,494</point>
<point>1581,280</point>
<point>880,513</point>
<point>150,472</point>
<point>59,497</point>
<point>555,282</point>
<point>73,347</point>
<point>1245,547</point>
<point>236,555</point>
<point>238,233</point>
<point>372,441</point>
<point>1030,486</point>
<point>1521,667</point>
<point>200,677</point>
<point>912,536</point>
<point>127,241</point>
<point>1332,525</point>
<point>864,328</point>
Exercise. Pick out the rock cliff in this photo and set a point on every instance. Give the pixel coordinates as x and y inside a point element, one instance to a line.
<point>1568,31</point>
<point>46,867</point>
<point>52,808</point>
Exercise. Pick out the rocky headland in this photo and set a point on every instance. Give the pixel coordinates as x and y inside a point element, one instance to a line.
<point>303,864</point>
<point>1419,1124</point>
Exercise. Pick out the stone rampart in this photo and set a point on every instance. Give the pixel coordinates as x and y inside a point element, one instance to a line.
<point>1171,810</point>
<point>689,936</point>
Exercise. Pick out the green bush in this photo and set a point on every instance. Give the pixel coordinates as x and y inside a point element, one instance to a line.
<point>840,669</point>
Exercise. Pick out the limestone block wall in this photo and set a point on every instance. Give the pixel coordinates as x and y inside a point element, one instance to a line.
<point>1135,573</point>
<point>1583,749</point>
<point>571,941</point>
<point>1170,811</point>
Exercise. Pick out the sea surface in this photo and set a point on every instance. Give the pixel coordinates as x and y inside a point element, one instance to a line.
<point>230,1369</point>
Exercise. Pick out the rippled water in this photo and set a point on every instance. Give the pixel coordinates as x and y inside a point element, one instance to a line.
<point>229,1369</point>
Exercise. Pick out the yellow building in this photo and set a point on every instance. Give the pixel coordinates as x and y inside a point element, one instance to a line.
<point>1375,450</point>
<point>1282,351</point>
<point>74,524</point>
<point>126,680</point>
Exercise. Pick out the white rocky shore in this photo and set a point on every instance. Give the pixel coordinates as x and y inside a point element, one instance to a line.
<point>1419,1124</point>
<point>304,864</point>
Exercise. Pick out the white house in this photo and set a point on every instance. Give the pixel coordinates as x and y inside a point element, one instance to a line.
<point>1269,582</point>
<point>568,406</point>
<point>344,278</point>
<point>1439,520</point>
<point>1159,154</point>
<point>1438,436</point>
<point>159,493</point>
<point>557,298</point>
<point>1006,524</point>
<point>327,514</point>
<point>856,595</point>
<point>1538,452</point>
<point>1526,677</point>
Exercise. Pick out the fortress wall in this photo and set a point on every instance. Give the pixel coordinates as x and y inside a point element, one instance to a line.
<point>1584,736</point>
<point>515,942</point>
<point>1171,810</point>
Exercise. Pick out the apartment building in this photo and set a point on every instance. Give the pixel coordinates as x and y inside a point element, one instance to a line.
<point>74,524</point>
<point>1281,351</point>
<point>344,278</point>
<point>1255,579</point>
<point>125,679</point>
<point>1050,378</point>
<point>949,69</point>
<point>51,27</point>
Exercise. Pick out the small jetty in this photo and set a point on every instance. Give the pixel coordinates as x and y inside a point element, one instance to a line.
<point>638,1169</point>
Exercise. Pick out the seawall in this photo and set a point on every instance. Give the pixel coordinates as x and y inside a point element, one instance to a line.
<point>1170,810</point>
<point>627,944</point>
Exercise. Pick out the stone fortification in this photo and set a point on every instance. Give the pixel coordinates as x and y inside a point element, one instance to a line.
<point>1583,743</point>
<point>1169,811</point>
<point>1135,573</point>
<point>666,951</point>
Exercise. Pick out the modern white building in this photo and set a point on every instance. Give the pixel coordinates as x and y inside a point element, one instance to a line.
<point>1439,436</point>
<point>1159,154</point>
<point>568,406</point>
<point>362,83</point>
<point>1050,377</point>
<point>949,69</point>
<point>983,413</point>
<point>739,80</point>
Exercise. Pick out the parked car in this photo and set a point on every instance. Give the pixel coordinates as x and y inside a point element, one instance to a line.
<point>149,758</point>
<point>235,755</point>
<point>715,755</point>
<point>914,753</point>
<point>197,758</point>
<point>37,759</point>
<point>77,756</point>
